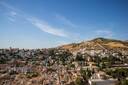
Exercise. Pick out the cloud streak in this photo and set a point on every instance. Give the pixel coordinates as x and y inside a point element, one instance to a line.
<point>45,27</point>
<point>12,16</point>
<point>13,13</point>
<point>40,24</point>
<point>11,19</point>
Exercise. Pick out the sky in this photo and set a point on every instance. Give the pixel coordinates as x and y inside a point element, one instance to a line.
<point>50,23</point>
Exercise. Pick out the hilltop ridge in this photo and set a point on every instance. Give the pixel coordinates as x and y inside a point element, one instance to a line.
<point>97,43</point>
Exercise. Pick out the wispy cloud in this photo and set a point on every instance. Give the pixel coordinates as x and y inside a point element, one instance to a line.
<point>40,24</point>
<point>11,19</point>
<point>45,27</point>
<point>104,33</point>
<point>13,13</point>
<point>12,16</point>
<point>65,20</point>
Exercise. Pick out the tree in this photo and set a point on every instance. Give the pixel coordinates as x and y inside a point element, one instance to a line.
<point>124,82</point>
<point>79,81</point>
<point>79,57</point>
<point>119,73</point>
<point>86,74</point>
<point>3,60</point>
<point>102,65</point>
<point>97,60</point>
<point>31,74</point>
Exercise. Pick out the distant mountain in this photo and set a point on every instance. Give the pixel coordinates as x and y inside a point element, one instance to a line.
<point>97,44</point>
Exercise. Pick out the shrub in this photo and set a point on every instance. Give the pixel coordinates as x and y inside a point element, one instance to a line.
<point>31,74</point>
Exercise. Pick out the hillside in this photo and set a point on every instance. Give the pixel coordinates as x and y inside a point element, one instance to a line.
<point>67,63</point>
<point>97,44</point>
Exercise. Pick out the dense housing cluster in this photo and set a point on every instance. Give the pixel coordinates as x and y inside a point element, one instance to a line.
<point>90,65</point>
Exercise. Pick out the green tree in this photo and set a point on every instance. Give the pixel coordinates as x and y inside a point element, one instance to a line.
<point>124,82</point>
<point>79,57</point>
<point>86,74</point>
<point>119,73</point>
<point>79,81</point>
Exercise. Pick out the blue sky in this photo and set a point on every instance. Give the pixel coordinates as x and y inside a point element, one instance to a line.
<point>49,23</point>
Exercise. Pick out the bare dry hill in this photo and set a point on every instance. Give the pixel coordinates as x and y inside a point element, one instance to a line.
<point>96,44</point>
